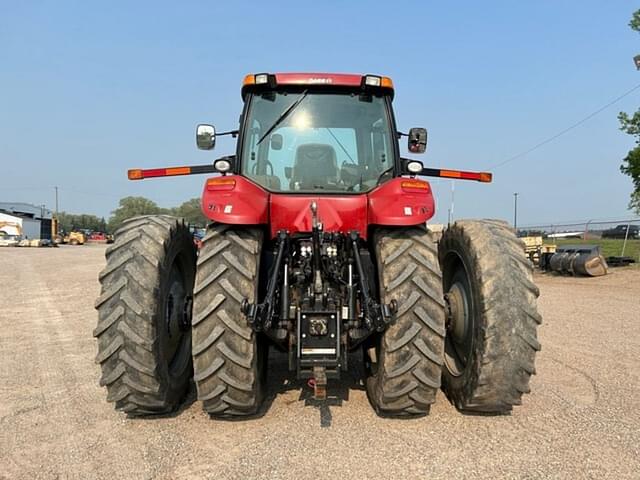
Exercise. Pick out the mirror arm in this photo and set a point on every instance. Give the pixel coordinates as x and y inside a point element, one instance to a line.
<point>233,133</point>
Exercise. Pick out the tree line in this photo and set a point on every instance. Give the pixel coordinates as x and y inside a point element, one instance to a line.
<point>131,207</point>
<point>134,206</point>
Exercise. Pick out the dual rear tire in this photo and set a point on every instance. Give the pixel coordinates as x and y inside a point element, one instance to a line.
<point>466,319</point>
<point>481,340</point>
<point>153,336</point>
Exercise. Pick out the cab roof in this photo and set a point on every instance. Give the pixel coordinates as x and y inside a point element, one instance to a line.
<point>257,81</point>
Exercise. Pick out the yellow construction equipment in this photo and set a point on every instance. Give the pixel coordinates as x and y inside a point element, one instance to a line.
<point>75,238</point>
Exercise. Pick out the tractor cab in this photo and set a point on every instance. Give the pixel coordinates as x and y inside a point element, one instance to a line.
<point>310,138</point>
<point>309,133</point>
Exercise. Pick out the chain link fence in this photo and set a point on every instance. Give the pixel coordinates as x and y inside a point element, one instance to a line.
<point>618,237</point>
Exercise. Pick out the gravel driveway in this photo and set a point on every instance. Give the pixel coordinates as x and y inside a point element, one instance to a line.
<point>582,419</point>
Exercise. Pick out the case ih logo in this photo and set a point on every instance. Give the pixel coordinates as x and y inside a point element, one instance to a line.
<point>320,80</point>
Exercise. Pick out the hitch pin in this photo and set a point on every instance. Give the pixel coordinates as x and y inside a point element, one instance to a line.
<point>319,383</point>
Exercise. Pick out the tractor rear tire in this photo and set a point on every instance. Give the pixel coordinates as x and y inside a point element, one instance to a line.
<point>405,366</point>
<point>491,339</point>
<point>228,356</point>
<point>144,339</point>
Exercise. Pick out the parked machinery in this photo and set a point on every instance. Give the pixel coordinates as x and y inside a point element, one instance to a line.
<point>579,260</point>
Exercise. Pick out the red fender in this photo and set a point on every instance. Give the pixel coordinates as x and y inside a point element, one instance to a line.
<point>401,201</point>
<point>235,200</point>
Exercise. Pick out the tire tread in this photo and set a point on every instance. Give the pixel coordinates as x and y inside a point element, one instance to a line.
<point>411,349</point>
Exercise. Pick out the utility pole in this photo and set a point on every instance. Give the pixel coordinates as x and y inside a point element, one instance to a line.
<point>515,212</point>
<point>56,188</point>
<point>453,194</point>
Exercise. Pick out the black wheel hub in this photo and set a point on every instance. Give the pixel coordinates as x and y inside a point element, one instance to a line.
<point>459,325</point>
<point>185,324</point>
<point>177,315</point>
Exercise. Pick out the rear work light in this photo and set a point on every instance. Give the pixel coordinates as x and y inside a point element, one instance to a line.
<point>377,81</point>
<point>372,81</point>
<point>261,78</point>
<point>256,79</point>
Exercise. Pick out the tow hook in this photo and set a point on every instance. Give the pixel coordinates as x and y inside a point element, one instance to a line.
<point>319,383</point>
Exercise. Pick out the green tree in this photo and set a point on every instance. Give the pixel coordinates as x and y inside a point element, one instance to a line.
<point>71,221</point>
<point>132,207</point>
<point>191,212</point>
<point>631,124</point>
<point>635,21</point>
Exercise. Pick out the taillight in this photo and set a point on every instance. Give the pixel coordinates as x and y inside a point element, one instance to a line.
<point>221,183</point>
<point>415,186</point>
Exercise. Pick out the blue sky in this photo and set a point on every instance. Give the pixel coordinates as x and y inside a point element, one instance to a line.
<point>89,89</point>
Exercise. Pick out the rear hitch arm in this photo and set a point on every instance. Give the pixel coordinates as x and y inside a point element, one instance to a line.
<point>377,316</point>
<point>260,315</point>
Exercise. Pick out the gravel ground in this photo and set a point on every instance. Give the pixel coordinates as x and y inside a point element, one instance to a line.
<point>582,419</point>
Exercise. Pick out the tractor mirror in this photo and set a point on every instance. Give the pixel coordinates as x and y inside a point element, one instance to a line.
<point>205,137</point>
<point>276,141</point>
<point>417,140</point>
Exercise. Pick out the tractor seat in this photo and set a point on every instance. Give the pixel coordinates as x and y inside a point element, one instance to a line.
<point>315,165</point>
<point>270,182</point>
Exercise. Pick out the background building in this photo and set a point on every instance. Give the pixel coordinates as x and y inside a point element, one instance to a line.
<point>36,220</point>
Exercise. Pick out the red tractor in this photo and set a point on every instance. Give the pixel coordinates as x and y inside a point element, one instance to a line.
<point>318,246</point>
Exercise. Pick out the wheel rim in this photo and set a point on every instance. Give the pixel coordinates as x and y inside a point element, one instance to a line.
<point>175,325</point>
<point>459,337</point>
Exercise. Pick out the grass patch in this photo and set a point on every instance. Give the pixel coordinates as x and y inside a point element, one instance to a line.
<point>608,246</point>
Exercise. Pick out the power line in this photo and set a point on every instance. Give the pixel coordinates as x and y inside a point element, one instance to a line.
<point>560,223</point>
<point>568,129</point>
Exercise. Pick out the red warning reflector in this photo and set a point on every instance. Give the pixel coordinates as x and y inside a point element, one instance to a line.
<point>485,177</point>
